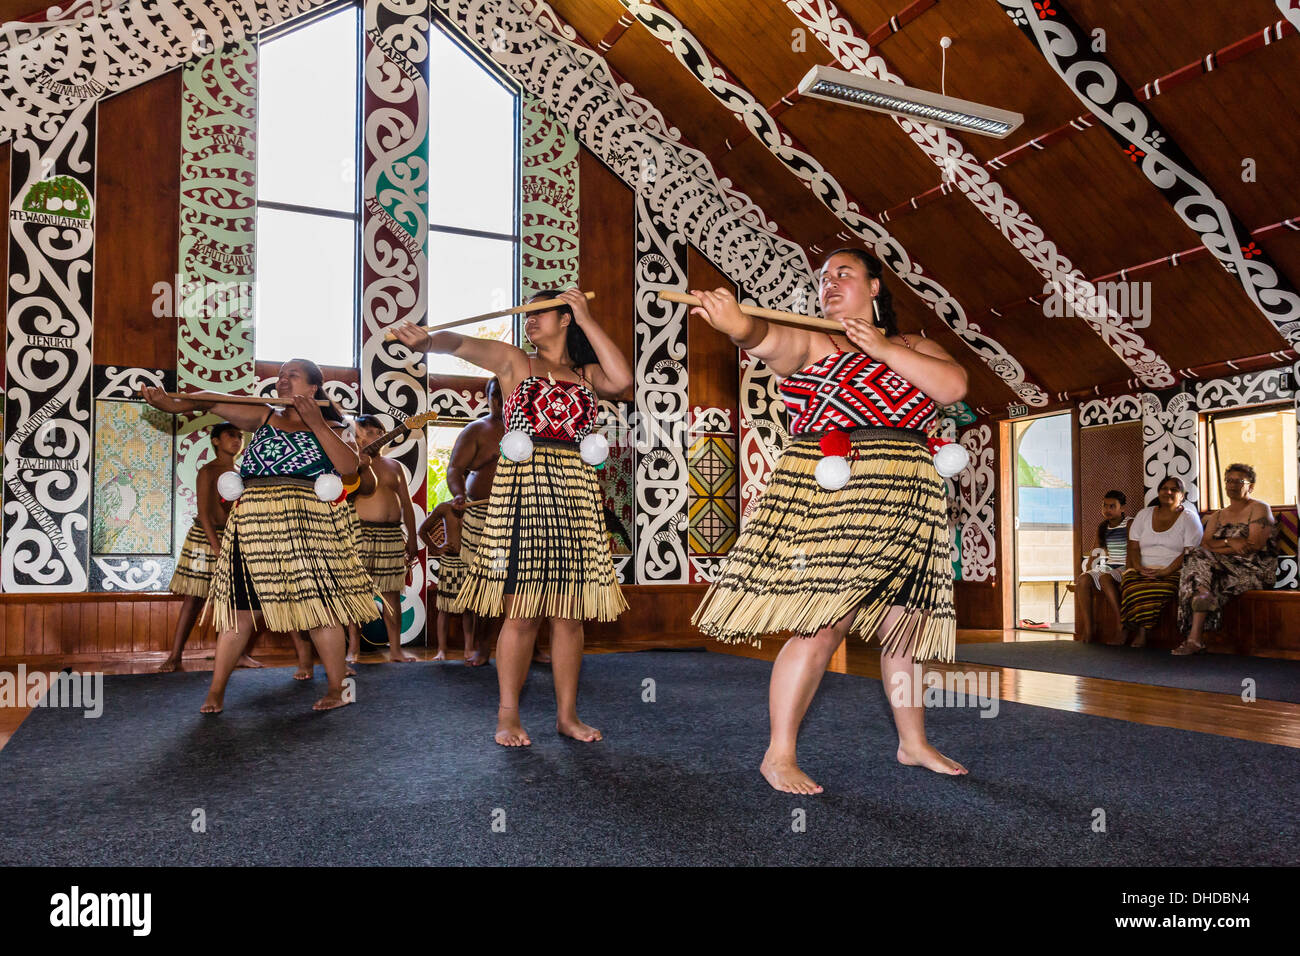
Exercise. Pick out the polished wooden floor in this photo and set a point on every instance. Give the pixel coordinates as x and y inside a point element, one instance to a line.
<point>1227,715</point>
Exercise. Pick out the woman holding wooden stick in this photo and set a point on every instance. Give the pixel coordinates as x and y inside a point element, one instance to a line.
<point>820,556</point>
<point>286,552</point>
<point>542,553</point>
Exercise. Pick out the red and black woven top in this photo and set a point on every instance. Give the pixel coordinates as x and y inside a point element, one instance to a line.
<point>551,409</point>
<point>850,390</point>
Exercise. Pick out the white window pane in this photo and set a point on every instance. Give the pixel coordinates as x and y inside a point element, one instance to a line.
<point>470,276</point>
<point>305,290</point>
<point>471,143</point>
<point>307,115</point>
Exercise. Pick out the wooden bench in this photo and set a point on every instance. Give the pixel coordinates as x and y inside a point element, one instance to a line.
<point>1266,623</point>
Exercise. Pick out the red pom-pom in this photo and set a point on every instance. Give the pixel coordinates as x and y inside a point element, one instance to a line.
<point>835,443</point>
<point>936,443</point>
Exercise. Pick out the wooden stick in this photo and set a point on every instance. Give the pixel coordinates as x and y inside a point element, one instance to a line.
<point>772,315</point>
<point>539,306</point>
<point>237,399</point>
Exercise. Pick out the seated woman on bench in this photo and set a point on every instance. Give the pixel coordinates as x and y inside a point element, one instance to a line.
<point>1238,553</point>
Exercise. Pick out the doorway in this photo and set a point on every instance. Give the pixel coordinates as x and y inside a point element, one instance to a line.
<point>1044,522</point>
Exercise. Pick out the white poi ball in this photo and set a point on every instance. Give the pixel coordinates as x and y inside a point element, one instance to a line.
<point>951,459</point>
<point>329,487</point>
<point>230,486</point>
<point>832,472</point>
<point>594,449</point>
<point>516,445</point>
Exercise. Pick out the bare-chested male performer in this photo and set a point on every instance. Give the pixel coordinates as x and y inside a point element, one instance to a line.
<point>382,516</point>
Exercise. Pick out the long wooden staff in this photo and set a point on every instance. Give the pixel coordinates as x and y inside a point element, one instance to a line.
<point>772,315</point>
<point>237,399</point>
<point>540,306</point>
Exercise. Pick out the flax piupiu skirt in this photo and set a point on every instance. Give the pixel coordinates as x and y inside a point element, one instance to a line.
<point>809,556</point>
<point>193,574</point>
<point>544,542</point>
<point>382,549</point>
<point>292,557</point>
<point>451,578</point>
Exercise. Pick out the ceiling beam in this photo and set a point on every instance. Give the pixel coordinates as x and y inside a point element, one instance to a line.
<point>1171,261</point>
<point>1153,88</point>
<point>1066,48</point>
<point>729,91</point>
<point>964,172</point>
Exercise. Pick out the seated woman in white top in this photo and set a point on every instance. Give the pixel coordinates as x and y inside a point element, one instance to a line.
<point>1157,539</point>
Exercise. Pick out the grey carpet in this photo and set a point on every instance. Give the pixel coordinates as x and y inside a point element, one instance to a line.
<point>1217,673</point>
<point>409,775</point>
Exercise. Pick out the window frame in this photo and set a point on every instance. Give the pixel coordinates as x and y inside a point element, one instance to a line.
<point>1206,440</point>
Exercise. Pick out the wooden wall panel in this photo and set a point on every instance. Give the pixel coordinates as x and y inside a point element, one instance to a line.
<point>606,243</point>
<point>137,223</point>
<point>713,362</point>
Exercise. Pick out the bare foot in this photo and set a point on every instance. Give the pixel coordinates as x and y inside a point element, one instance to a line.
<point>247,661</point>
<point>541,657</point>
<point>304,673</point>
<point>578,731</point>
<point>476,659</point>
<point>440,656</point>
<point>331,700</point>
<point>927,756</point>
<point>786,776</point>
<point>401,657</point>
<point>211,705</point>
<point>169,665</point>
<point>350,671</point>
<point>510,732</point>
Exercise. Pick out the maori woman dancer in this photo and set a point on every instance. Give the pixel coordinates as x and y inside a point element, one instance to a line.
<point>871,557</point>
<point>286,553</point>
<point>543,552</point>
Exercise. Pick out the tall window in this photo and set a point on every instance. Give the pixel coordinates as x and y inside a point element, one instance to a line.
<point>307,192</point>
<point>1262,437</point>
<point>308,197</point>
<point>473,195</point>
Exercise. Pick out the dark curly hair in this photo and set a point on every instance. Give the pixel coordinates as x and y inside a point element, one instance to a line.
<point>884,298</point>
<point>576,341</point>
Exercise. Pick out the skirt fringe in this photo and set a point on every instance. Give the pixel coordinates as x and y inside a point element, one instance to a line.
<point>809,556</point>
<point>193,574</point>
<point>451,577</point>
<point>544,543</point>
<point>297,556</point>
<point>382,549</point>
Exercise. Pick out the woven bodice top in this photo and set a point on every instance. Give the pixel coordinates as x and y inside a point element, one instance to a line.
<point>273,452</point>
<point>848,390</point>
<point>551,409</point>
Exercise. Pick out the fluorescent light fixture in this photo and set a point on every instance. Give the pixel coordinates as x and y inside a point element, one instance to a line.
<point>828,83</point>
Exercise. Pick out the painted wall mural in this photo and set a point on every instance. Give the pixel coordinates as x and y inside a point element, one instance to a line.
<point>218,223</point>
<point>1110,411</point>
<point>549,201</point>
<point>132,509</point>
<point>395,240</point>
<point>47,440</point>
<point>661,403</point>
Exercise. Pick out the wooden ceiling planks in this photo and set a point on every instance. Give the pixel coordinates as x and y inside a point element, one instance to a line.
<point>1084,191</point>
<point>1248,109</point>
<point>1200,315</point>
<point>773,188</point>
<point>989,62</point>
<point>1154,37</point>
